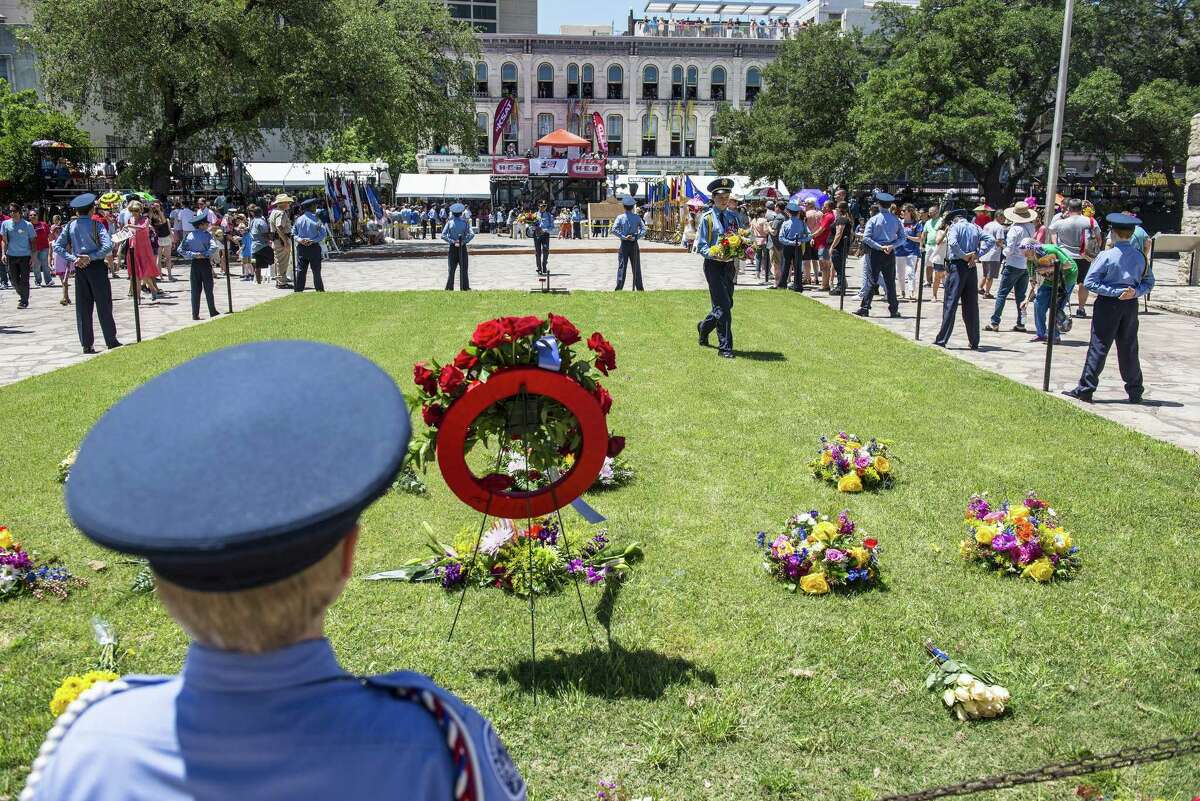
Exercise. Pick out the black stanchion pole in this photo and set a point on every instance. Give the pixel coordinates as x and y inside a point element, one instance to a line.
<point>137,294</point>
<point>228,282</point>
<point>920,293</point>
<point>842,281</point>
<point>1052,326</point>
<point>1149,269</point>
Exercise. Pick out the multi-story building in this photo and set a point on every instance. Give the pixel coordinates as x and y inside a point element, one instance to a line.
<point>497,16</point>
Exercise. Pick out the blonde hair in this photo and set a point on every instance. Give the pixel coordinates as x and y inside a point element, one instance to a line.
<point>134,206</point>
<point>261,618</point>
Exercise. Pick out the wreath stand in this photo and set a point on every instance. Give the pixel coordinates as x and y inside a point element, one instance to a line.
<point>521,389</point>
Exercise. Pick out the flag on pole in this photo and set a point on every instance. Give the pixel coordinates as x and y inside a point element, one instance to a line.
<point>335,210</point>
<point>601,132</point>
<point>504,112</point>
<point>373,199</point>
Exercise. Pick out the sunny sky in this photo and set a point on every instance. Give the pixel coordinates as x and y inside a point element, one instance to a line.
<point>553,13</point>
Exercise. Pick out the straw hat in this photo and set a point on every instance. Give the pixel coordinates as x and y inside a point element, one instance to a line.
<point>284,197</point>
<point>1020,213</point>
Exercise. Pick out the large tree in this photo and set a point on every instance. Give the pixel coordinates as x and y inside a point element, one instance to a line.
<point>969,83</point>
<point>796,129</point>
<point>207,73</point>
<point>23,121</point>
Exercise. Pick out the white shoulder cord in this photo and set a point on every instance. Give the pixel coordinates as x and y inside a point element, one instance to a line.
<point>97,692</point>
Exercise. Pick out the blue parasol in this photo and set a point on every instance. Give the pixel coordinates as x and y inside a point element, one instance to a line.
<point>816,194</point>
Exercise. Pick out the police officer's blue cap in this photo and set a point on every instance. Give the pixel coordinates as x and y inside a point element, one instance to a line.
<point>202,217</point>
<point>954,213</point>
<point>308,204</point>
<point>628,202</point>
<point>457,208</point>
<point>884,197</point>
<point>793,206</point>
<point>189,497</point>
<point>720,185</point>
<point>83,201</point>
<point>1123,220</point>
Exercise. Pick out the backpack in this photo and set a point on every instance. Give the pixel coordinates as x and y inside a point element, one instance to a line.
<point>1090,246</point>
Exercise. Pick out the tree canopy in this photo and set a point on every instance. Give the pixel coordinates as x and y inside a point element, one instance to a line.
<point>23,121</point>
<point>215,72</point>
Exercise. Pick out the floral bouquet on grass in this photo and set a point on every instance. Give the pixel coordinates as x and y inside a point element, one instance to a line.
<point>616,472</point>
<point>819,555</point>
<point>969,693</point>
<point>852,466</point>
<point>733,245</point>
<point>521,561</point>
<point>1022,539</point>
<point>515,342</point>
<point>20,573</point>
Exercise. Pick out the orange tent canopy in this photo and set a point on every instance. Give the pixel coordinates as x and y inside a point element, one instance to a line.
<point>562,138</point>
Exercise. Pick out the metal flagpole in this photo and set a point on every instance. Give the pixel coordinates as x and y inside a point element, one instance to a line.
<point>1064,59</point>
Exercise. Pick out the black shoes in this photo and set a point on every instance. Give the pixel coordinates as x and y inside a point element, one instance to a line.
<point>895,315</point>
<point>1078,394</point>
<point>703,336</point>
<point>1135,399</point>
<point>725,354</point>
<point>89,351</point>
<point>861,313</point>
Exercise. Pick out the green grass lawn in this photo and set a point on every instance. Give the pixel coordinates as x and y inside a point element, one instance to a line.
<point>704,692</point>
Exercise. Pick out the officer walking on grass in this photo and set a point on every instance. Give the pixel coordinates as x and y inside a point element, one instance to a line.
<point>629,228</point>
<point>1118,277</point>
<point>719,273</point>
<point>250,578</point>
<point>85,243</point>
<point>457,233</point>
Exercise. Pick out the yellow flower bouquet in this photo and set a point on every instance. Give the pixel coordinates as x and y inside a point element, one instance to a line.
<point>819,555</point>
<point>852,466</point>
<point>731,246</point>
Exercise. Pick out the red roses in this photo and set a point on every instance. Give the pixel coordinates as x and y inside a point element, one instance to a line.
<point>465,361</point>
<point>450,379</point>
<point>564,331</point>
<point>489,334</point>
<point>602,397</point>
<point>606,355</point>
<point>615,446</point>
<point>433,414</point>
<point>870,542</point>
<point>519,327</point>
<point>423,377</point>
<point>506,330</point>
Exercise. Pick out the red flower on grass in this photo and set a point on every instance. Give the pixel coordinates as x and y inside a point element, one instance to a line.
<point>564,330</point>
<point>424,378</point>
<point>489,334</point>
<point>602,397</point>
<point>606,355</point>
<point>450,379</point>
<point>433,414</point>
<point>870,542</point>
<point>615,446</point>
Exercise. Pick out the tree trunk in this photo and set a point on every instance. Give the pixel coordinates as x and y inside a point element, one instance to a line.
<point>995,192</point>
<point>161,151</point>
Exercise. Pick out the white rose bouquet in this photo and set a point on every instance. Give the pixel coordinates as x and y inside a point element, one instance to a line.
<point>969,693</point>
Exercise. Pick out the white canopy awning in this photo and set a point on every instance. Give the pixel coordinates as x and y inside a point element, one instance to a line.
<point>309,173</point>
<point>457,186</point>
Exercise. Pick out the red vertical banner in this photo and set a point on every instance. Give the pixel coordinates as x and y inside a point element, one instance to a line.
<point>601,134</point>
<point>500,121</point>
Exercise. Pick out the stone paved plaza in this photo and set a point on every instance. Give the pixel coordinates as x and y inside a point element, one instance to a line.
<point>43,337</point>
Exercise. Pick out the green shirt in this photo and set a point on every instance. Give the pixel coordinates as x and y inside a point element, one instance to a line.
<point>931,229</point>
<point>1069,269</point>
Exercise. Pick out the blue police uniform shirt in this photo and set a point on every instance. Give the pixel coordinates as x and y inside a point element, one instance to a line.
<point>198,245</point>
<point>713,225</point>
<point>307,226</point>
<point>576,216</point>
<point>965,238</point>
<point>277,726</point>
<point>1120,267</point>
<point>19,236</point>
<point>457,230</point>
<point>794,231</point>
<point>629,224</point>
<point>882,230</point>
<point>83,236</point>
<point>545,221</point>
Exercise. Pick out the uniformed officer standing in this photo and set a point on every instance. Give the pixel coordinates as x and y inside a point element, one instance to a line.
<point>541,238</point>
<point>629,228</point>
<point>719,274</point>
<point>793,234</point>
<point>309,232</point>
<point>965,242</point>
<point>85,243</point>
<point>457,234</point>
<point>882,235</point>
<point>199,246</point>
<point>262,709</point>
<point>1118,277</point>
<point>577,223</point>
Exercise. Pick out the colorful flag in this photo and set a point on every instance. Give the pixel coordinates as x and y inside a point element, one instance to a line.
<point>601,132</point>
<point>331,199</point>
<point>504,112</point>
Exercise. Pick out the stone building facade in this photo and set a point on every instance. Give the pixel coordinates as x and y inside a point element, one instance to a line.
<point>1191,204</point>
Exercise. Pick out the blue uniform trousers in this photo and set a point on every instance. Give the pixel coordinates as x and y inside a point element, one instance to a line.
<point>876,267</point>
<point>789,263</point>
<point>962,286</point>
<point>541,249</point>
<point>1113,319</point>
<point>456,258</point>
<point>719,275</point>
<point>629,254</point>
<point>308,256</point>
<point>93,291</point>
<point>1015,280</point>
<point>202,279</point>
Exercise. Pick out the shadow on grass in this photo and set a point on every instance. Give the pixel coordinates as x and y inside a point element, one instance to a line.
<point>760,355</point>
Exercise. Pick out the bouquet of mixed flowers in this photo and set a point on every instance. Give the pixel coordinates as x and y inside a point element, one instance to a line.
<point>616,471</point>
<point>516,342</point>
<point>818,554</point>
<point>521,560</point>
<point>1023,539</point>
<point>20,573</point>
<point>843,460</point>
<point>527,218</point>
<point>64,467</point>
<point>735,244</point>
<point>969,693</point>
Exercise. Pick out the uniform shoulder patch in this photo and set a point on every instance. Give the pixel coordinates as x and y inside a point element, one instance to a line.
<point>506,772</point>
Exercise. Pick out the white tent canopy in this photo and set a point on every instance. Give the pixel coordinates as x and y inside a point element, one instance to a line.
<point>457,186</point>
<point>309,173</point>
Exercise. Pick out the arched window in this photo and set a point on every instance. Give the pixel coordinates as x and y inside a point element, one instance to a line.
<point>689,137</point>
<point>614,129</point>
<point>545,80</point>
<point>573,81</point>
<point>718,83</point>
<point>509,138</point>
<point>753,83</point>
<point>677,82</point>
<point>649,135</point>
<point>693,82</point>
<point>650,82</point>
<point>481,80</point>
<point>676,136</point>
<point>587,86</point>
<point>508,79</point>
<point>545,124</point>
<point>616,82</point>
<point>482,138</point>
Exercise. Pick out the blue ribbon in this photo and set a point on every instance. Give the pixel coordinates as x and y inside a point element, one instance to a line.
<point>547,353</point>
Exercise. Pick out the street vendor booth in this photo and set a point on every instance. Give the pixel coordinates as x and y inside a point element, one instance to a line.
<point>562,174</point>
